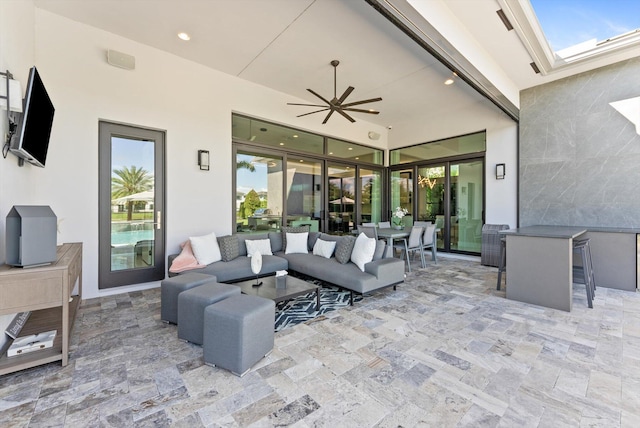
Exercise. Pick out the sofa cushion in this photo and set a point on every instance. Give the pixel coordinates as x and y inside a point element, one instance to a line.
<point>276,241</point>
<point>297,243</point>
<point>206,248</point>
<point>185,260</point>
<point>313,237</point>
<point>288,229</point>
<point>363,250</point>
<point>324,248</point>
<point>240,268</point>
<point>344,247</point>
<point>380,246</point>
<point>262,246</point>
<point>242,238</point>
<point>229,248</point>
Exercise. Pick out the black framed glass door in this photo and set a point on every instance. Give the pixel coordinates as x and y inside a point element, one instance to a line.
<point>131,205</point>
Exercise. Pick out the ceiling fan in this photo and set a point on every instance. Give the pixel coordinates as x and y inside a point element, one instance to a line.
<point>336,104</point>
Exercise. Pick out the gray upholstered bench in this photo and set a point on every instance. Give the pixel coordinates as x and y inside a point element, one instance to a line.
<point>191,305</point>
<point>238,332</point>
<point>171,288</point>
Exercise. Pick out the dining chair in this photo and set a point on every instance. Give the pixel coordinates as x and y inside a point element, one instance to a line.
<point>370,231</point>
<point>384,224</point>
<point>369,224</point>
<point>412,244</point>
<point>407,221</point>
<point>422,223</point>
<point>429,241</point>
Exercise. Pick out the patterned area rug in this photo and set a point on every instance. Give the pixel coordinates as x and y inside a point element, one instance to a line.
<point>303,308</point>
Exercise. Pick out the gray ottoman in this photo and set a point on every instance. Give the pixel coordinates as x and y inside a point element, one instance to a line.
<point>170,289</point>
<point>238,332</point>
<point>191,304</point>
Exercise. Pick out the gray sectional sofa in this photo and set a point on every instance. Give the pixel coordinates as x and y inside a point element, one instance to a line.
<point>379,273</point>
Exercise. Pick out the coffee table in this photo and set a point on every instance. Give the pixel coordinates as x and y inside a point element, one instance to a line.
<point>295,287</point>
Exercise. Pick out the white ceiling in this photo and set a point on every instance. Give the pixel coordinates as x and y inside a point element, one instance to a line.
<point>287,45</point>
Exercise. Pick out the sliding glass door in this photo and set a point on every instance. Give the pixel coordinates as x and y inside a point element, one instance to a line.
<point>342,198</point>
<point>448,194</point>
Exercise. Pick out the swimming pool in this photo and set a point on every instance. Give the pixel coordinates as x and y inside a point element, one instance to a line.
<point>131,237</point>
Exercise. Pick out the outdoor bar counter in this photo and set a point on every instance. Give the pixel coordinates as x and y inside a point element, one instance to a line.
<point>540,262</point>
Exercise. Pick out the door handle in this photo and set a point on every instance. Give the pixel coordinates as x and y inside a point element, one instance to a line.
<point>159,218</point>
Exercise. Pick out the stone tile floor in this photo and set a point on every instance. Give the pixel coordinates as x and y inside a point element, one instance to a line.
<point>444,350</point>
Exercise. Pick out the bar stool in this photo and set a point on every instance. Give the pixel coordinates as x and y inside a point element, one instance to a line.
<point>502,263</point>
<point>582,246</point>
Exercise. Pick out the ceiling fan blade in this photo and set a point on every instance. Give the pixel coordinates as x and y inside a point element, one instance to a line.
<point>360,110</point>
<point>328,116</point>
<point>345,95</point>
<point>308,105</point>
<point>349,118</point>
<point>355,103</point>
<point>319,96</point>
<point>312,112</point>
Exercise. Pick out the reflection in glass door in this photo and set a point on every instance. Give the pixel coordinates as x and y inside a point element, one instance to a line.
<point>304,193</point>
<point>370,195</point>
<point>402,190</point>
<point>131,197</point>
<point>342,198</point>
<point>431,198</point>
<point>258,192</point>
<point>466,199</point>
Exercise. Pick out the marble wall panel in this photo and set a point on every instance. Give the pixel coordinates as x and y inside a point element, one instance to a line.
<point>579,157</point>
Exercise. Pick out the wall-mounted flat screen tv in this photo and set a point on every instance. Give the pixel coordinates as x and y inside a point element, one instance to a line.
<point>34,131</point>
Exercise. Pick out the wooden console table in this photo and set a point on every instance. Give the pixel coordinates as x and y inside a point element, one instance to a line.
<point>46,292</point>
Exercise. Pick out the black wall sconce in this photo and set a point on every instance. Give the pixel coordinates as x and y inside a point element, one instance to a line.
<point>203,159</point>
<point>500,170</point>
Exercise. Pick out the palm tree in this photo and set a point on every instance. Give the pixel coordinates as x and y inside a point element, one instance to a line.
<point>245,164</point>
<point>127,181</point>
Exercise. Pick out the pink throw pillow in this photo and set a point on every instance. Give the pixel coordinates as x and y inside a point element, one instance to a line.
<point>185,261</point>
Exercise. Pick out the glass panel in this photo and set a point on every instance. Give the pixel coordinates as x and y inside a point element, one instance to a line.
<point>402,190</point>
<point>371,196</point>
<point>304,192</point>
<point>132,203</point>
<point>351,151</point>
<point>341,199</point>
<point>472,143</point>
<point>258,192</point>
<point>431,182</point>
<point>276,136</point>
<point>466,205</point>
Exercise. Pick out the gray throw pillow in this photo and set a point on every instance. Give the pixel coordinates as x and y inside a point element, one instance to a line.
<point>289,229</point>
<point>379,253</point>
<point>229,248</point>
<point>344,247</point>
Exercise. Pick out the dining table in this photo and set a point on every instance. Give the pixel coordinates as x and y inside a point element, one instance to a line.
<point>391,233</point>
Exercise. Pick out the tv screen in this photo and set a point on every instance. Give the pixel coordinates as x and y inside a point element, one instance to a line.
<point>35,127</point>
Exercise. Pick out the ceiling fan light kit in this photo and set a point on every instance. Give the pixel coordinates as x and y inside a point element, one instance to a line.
<point>337,104</point>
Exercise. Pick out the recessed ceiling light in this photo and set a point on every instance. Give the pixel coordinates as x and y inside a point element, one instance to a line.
<point>295,135</point>
<point>330,153</point>
<point>449,81</point>
<point>357,157</point>
<point>350,148</point>
<point>184,36</point>
<point>282,144</point>
<point>301,161</point>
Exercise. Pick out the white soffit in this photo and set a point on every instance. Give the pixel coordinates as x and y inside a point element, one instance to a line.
<point>523,18</point>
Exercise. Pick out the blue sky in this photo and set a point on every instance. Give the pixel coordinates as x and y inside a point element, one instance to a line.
<point>569,22</point>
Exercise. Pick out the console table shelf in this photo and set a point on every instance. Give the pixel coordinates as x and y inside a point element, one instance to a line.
<point>46,292</point>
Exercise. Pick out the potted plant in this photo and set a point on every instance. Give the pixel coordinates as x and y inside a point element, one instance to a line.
<point>398,215</point>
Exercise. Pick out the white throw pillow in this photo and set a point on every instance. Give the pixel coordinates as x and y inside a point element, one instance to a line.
<point>206,248</point>
<point>262,246</point>
<point>363,250</point>
<point>297,243</point>
<point>324,248</point>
